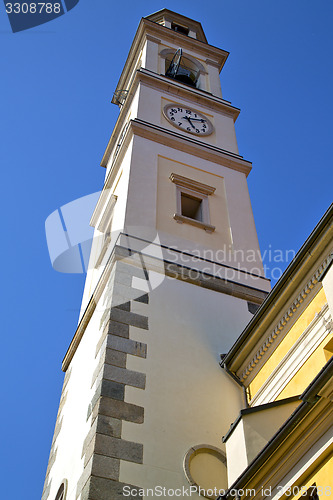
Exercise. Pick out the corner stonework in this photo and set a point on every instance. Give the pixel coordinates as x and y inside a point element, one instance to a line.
<point>58,425</point>
<point>103,448</point>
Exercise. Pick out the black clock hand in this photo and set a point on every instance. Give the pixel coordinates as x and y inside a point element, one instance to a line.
<point>197,119</point>
<point>189,119</point>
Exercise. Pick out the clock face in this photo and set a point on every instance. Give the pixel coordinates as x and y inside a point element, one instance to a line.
<point>188,120</point>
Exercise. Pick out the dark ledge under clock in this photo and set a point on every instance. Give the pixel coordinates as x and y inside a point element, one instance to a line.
<point>197,223</point>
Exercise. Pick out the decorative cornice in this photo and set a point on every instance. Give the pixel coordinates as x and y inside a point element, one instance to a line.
<point>181,90</point>
<point>153,39</point>
<point>191,146</point>
<point>275,333</point>
<point>191,184</point>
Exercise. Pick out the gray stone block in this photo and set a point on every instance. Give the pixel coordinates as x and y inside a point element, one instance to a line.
<point>108,388</point>
<point>57,429</point>
<point>105,466</point>
<point>89,437</point>
<point>113,389</point>
<point>120,409</point>
<point>138,272</point>
<point>129,318</point>
<point>111,357</point>
<point>52,458</point>
<point>62,403</point>
<point>124,306</point>
<point>118,448</point>
<point>124,376</point>
<point>116,328</point>
<point>109,426</point>
<point>88,451</point>
<point>105,317</point>
<point>66,378</point>
<point>143,298</point>
<point>84,477</point>
<point>115,358</point>
<point>122,252</point>
<point>100,343</point>
<point>123,278</point>
<point>127,345</point>
<point>122,292</point>
<point>98,488</point>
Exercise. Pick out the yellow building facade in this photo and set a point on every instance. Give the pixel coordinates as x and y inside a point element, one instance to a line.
<point>281,443</point>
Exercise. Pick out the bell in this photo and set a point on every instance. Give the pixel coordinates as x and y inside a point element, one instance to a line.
<point>182,69</point>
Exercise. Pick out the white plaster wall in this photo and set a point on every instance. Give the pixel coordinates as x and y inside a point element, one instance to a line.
<point>119,188</point>
<point>189,399</point>
<point>328,288</point>
<point>150,56</point>
<point>236,453</point>
<point>152,102</point>
<point>75,426</point>
<point>142,203</point>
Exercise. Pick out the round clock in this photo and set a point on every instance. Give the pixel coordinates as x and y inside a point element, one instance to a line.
<point>188,120</point>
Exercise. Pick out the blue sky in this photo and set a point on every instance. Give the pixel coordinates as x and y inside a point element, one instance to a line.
<point>57,81</point>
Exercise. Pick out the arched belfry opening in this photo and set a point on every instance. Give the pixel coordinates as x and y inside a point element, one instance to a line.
<point>181,68</point>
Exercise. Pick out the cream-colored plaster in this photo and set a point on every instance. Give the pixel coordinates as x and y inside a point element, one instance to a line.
<point>150,109</point>
<point>119,188</point>
<point>252,433</point>
<point>260,426</point>
<point>167,205</point>
<point>150,56</point>
<point>188,399</point>
<point>142,209</point>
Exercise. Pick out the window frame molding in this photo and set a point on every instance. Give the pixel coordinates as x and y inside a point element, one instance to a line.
<point>198,190</point>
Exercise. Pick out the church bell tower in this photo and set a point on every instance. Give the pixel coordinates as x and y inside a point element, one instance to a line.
<point>175,274</point>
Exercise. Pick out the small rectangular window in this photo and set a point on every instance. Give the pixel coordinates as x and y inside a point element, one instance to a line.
<point>192,202</point>
<point>191,207</point>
